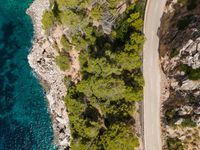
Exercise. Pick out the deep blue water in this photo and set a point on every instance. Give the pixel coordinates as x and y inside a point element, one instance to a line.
<point>24,119</point>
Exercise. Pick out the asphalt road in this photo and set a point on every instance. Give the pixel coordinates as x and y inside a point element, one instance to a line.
<point>152,130</point>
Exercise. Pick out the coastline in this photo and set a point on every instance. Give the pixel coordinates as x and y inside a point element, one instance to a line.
<point>41,60</point>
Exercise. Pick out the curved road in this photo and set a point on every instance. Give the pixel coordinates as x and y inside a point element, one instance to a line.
<point>152,130</point>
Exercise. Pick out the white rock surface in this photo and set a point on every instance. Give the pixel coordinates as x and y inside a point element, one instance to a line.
<point>189,54</point>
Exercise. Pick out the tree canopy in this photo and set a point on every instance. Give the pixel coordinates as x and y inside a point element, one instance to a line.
<point>101,105</point>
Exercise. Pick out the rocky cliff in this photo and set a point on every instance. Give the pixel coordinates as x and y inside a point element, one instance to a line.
<point>180,62</point>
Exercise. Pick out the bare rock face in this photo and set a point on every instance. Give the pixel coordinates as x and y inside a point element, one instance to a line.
<point>190,85</point>
<point>185,110</point>
<point>197,111</point>
<point>189,55</point>
<point>109,19</point>
<point>41,59</point>
<point>180,48</point>
<point>179,121</point>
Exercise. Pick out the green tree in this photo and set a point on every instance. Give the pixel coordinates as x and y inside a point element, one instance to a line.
<point>136,21</point>
<point>128,61</point>
<point>108,88</point>
<point>70,19</point>
<point>96,12</point>
<point>64,42</point>
<point>135,43</point>
<point>64,4</point>
<point>101,67</point>
<point>63,62</point>
<point>101,105</point>
<point>119,137</point>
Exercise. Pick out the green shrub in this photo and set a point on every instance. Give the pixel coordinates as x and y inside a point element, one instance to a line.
<point>193,99</point>
<point>188,122</point>
<point>119,137</point>
<point>63,62</point>
<point>174,144</point>
<point>70,19</point>
<point>96,12</point>
<point>193,74</point>
<point>170,116</point>
<point>141,6</point>
<point>64,42</point>
<point>55,46</point>
<point>174,52</point>
<point>183,22</point>
<point>191,4</point>
<point>198,28</point>
<point>67,81</point>
<point>182,2</point>
<point>47,20</point>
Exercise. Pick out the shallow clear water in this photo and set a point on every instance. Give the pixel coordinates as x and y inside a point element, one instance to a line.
<point>24,119</point>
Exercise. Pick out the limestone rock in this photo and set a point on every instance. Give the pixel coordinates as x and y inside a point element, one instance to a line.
<point>179,121</point>
<point>197,111</point>
<point>185,110</point>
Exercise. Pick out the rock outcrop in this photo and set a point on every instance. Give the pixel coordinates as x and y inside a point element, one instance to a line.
<point>180,57</point>
<point>189,54</point>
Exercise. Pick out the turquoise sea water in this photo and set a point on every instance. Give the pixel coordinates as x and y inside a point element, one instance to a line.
<point>24,119</point>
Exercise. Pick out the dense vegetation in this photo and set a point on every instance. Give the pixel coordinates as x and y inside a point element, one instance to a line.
<point>63,62</point>
<point>174,144</point>
<point>65,44</point>
<point>174,52</point>
<point>47,20</point>
<point>193,74</point>
<point>101,105</point>
<point>172,116</point>
<point>184,22</point>
<point>191,4</point>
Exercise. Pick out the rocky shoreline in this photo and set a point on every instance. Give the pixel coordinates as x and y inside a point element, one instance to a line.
<point>41,59</point>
